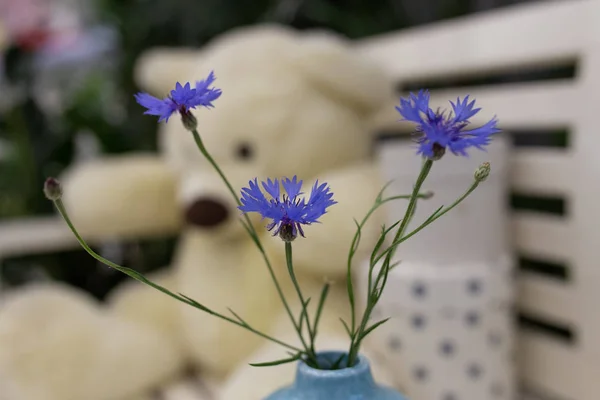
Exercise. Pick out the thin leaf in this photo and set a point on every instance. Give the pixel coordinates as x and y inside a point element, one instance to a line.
<point>194,303</point>
<point>387,269</point>
<point>237,316</point>
<point>384,232</point>
<point>304,315</point>
<point>379,197</point>
<point>346,327</point>
<point>394,265</point>
<point>357,236</point>
<point>373,327</point>
<point>277,362</point>
<point>435,213</point>
<point>322,299</point>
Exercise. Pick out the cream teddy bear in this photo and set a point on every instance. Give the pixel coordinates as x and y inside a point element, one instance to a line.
<point>57,343</point>
<point>292,104</point>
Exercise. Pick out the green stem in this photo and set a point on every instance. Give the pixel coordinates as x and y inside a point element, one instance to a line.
<point>438,214</point>
<point>412,203</point>
<point>141,278</point>
<point>379,201</point>
<point>372,300</point>
<point>212,162</point>
<point>250,228</point>
<point>304,312</point>
<point>429,221</point>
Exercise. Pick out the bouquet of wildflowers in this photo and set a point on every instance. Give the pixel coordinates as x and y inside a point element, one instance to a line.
<point>288,212</point>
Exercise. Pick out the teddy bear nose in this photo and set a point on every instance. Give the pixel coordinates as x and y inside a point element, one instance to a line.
<point>206,212</point>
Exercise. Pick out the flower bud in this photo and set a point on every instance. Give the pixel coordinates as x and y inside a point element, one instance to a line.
<point>482,172</point>
<point>52,189</point>
<point>189,121</point>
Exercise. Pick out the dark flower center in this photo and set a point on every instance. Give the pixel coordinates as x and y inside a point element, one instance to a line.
<point>438,151</point>
<point>286,231</point>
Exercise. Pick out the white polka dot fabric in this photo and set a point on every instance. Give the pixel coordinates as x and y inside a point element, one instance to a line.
<point>450,336</point>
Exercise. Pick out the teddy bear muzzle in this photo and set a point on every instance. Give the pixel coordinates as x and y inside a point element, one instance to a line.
<point>206,213</point>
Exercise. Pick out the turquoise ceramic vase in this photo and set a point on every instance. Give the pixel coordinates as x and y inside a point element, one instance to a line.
<point>354,383</point>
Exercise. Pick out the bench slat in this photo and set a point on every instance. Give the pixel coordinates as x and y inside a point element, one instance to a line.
<point>34,236</point>
<point>545,236</point>
<point>525,34</point>
<point>556,367</point>
<point>542,171</point>
<point>547,298</point>
<point>524,105</point>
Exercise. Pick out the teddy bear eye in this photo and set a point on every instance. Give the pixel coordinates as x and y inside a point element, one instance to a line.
<point>244,151</point>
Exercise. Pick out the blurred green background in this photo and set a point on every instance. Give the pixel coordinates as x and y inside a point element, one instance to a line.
<point>68,95</point>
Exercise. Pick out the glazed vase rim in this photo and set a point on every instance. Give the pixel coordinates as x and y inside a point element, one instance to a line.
<point>361,367</point>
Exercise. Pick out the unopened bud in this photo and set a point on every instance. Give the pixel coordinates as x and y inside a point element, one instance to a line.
<point>189,121</point>
<point>52,189</point>
<point>482,172</point>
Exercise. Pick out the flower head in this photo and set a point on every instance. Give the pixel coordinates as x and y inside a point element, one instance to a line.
<point>287,211</point>
<point>438,131</point>
<point>181,99</point>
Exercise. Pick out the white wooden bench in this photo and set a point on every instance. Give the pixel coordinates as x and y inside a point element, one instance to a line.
<point>559,282</point>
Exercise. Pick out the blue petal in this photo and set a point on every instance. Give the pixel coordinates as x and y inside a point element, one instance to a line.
<point>253,200</point>
<point>421,100</point>
<point>320,200</point>
<point>146,100</point>
<point>486,130</point>
<point>409,112</point>
<point>272,187</point>
<point>202,86</point>
<point>464,110</point>
<point>205,95</point>
<point>184,96</point>
<point>274,211</point>
<point>426,149</point>
<point>412,108</point>
<point>292,187</point>
<point>162,108</point>
<point>295,212</point>
<point>207,98</point>
<point>436,134</point>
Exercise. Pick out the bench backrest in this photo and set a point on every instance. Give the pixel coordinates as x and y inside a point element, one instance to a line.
<point>537,67</point>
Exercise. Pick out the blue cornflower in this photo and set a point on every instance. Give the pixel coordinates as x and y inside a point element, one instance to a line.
<point>181,99</point>
<point>287,211</point>
<point>438,132</point>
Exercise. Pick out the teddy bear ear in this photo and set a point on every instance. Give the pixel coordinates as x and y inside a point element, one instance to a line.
<point>157,70</point>
<point>330,62</point>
